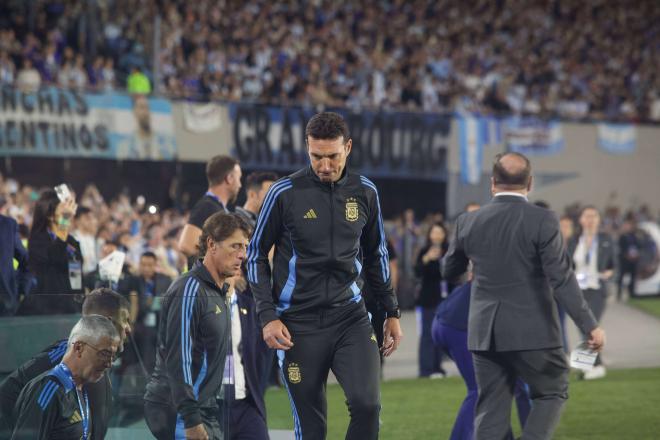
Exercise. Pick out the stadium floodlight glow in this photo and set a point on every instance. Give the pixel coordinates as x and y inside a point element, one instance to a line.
<point>152,209</point>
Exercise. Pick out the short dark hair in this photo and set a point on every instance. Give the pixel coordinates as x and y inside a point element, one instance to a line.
<point>505,179</point>
<point>149,254</point>
<point>218,168</point>
<point>327,126</point>
<point>586,207</point>
<point>255,180</point>
<point>104,301</point>
<point>82,210</point>
<point>219,227</point>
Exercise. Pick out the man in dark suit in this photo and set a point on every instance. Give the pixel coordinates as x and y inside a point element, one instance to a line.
<point>246,412</point>
<point>513,329</point>
<point>13,281</point>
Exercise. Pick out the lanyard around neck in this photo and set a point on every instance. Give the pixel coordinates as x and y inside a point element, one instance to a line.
<point>84,414</point>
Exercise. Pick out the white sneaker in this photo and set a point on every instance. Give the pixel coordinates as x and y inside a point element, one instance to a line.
<point>597,372</point>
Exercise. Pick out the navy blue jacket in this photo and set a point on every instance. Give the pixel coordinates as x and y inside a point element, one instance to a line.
<point>12,282</point>
<point>454,310</point>
<point>253,349</point>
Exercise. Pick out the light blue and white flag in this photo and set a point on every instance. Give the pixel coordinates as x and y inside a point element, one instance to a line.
<point>533,136</point>
<point>617,138</point>
<point>471,143</point>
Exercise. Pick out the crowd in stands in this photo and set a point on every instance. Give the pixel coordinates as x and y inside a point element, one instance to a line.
<point>568,58</point>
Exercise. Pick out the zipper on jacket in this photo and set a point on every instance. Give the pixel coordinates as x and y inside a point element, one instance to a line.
<point>332,237</point>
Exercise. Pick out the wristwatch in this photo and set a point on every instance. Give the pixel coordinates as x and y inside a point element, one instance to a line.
<point>396,313</point>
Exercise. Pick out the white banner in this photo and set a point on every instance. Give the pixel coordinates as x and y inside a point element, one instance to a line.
<point>201,118</point>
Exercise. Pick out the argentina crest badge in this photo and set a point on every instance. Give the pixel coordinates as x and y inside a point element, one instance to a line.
<point>352,210</point>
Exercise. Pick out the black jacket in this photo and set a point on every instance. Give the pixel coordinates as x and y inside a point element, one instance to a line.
<point>430,291</point>
<point>317,229</point>
<point>47,409</point>
<point>49,259</point>
<point>100,393</point>
<point>192,345</point>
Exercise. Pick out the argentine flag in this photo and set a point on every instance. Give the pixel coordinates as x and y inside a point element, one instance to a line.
<point>617,138</point>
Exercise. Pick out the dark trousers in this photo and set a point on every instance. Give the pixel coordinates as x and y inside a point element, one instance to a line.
<point>429,355</point>
<point>597,300</point>
<point>165,424</point>
<point>342,340</point>
<point>454,343</point>
<point>246,422</point>
<point>626,267</point>
<point>546,374</point>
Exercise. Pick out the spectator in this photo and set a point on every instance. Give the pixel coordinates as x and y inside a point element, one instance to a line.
<point>151,286</point>
<point>54,258</point>
<point>28,79</point>
<point>138,83</point>
<point>7,69</point>
<point>433,290</point>
<point>85,233</point>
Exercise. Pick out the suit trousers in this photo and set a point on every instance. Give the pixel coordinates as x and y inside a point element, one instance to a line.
<point>430,355</point>
<point>545,372</point>
<point>340,339</point>
<point>454,342</point>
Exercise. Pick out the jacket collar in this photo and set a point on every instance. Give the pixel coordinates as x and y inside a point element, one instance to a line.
<point>508,198</point>
<point>342,180</point>
<point>200,271</point>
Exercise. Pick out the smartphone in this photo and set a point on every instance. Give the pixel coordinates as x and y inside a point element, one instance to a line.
<point>63,192</point>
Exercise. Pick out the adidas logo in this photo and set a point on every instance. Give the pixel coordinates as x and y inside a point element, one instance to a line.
<point>218,310</point>
<point>75,418</point>
<point>310,214</point>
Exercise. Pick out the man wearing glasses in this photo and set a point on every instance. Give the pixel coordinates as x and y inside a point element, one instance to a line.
<point>193,336</point>
<point>56,403</point>
<point>102,301</point>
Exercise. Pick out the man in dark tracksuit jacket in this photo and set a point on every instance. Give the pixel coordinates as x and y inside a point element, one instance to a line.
<point>188,371</point>
<point>103,302</point>
<point>313,312</point>
<point>48,415</point>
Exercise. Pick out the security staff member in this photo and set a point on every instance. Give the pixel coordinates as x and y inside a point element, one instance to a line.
<point>180,401</point>
<point>314,315</point>
<point>104,302</point>
<point>56,404</point>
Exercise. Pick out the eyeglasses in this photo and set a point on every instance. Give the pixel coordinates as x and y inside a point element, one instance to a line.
<point>104,355</point>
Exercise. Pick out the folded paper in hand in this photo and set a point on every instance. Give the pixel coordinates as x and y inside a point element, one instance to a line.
<point>583,357</point>
<point>110,267</point>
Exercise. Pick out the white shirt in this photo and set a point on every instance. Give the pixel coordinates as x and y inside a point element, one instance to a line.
<point>510,193</point>
<point>587,272</point>
<point>239,372</point>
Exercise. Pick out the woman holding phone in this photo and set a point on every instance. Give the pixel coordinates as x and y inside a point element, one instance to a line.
<point>54,256</point>
<point>432,291</point>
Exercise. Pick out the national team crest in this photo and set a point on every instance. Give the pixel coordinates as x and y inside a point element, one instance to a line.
<point>352,211</point>
<point>294,373</point>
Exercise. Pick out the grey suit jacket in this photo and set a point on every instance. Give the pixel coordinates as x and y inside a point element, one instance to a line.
<point>519,264</point>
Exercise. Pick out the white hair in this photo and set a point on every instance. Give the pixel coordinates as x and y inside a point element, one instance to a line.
<point>92,329</point>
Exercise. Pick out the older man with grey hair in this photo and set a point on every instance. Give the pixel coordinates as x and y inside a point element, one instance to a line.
<point>55,404</point>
